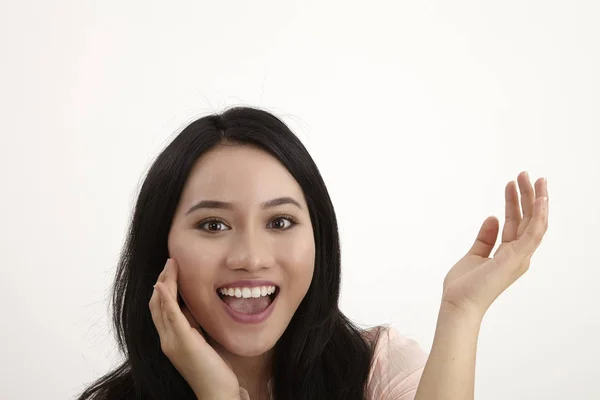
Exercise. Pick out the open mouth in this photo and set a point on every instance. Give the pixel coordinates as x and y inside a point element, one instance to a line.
<point>248,301</point>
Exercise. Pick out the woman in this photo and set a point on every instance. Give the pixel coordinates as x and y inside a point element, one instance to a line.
<point>228,284</point>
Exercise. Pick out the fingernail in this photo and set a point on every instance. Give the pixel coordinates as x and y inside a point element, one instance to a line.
<point>167,264</point>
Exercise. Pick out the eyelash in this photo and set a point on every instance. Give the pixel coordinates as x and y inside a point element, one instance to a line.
<point>293,221</point>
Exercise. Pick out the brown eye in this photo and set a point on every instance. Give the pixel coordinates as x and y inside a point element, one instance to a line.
<point>281,219</point>
<point>212,224</point>
<point>279,223</point>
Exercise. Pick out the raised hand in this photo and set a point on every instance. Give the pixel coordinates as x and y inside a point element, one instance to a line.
<point>200,365</point>
<point>474,282</point>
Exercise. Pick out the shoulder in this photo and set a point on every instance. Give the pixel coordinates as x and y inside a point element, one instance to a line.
<point>397,364</point>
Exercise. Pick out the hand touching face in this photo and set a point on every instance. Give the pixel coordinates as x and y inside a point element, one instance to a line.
<point>227,230</point>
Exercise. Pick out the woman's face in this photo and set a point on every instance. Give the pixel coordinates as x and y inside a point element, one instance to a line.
<point>216,248</point>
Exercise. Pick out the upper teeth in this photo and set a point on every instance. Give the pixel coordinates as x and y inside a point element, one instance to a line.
<point>245,292</point>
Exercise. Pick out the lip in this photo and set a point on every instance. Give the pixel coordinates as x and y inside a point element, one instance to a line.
<point>252,318</point>
<point>247,283</point>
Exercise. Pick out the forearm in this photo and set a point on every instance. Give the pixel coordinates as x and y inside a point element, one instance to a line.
<point>449,373</point>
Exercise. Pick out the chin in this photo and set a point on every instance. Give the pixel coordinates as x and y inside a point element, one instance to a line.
<point>247,344</point>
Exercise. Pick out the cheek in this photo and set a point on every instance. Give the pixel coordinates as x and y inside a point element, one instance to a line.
<point>193,257</point>
<point>299,260</point>
<point>196,272</point>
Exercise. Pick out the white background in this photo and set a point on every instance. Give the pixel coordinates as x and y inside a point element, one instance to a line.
<point>417,114</point>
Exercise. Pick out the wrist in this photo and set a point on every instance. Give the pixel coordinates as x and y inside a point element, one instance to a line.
<point>467,317</point>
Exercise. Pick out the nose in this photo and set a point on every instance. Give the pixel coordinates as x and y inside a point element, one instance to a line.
<point>250,251</point>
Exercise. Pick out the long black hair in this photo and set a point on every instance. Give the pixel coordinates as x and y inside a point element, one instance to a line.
<point>321,354</point>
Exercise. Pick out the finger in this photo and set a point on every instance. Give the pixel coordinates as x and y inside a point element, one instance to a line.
<point>541,191</point>
<point>512,213</point>
<point>527,200</point>
<point>161,276</point>
<point>170,277</point>
<point>541,188</point>
<point>154,304</point>
<point>486,238</point>
<point>156,312</point>
<point>173,319</point>
<point>533,235</point>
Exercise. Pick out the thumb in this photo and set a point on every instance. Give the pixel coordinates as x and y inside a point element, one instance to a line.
<point>486,238</point>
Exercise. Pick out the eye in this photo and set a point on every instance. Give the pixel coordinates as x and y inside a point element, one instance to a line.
<point>212,225</point>
<point>212,222</point>
<point>292,221</point>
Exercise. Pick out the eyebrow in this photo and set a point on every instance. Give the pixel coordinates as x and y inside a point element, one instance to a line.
<point>212,204</point>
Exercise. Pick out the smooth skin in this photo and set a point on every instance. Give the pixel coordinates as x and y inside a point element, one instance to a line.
<point>473,284</point>
<point>476,281</point>
<point>469,289</point>
<point>207,373</point>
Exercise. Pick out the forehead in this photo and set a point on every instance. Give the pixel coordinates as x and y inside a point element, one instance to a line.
<point>243,174</point>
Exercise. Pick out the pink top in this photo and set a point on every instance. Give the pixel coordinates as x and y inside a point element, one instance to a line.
<point>397,367</point>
